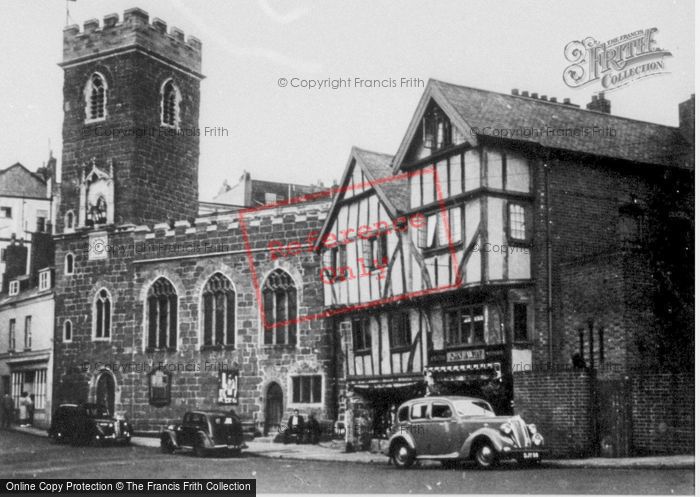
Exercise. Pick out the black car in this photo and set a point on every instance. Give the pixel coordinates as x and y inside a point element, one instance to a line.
<point>203,432</point>
<point>81,424</point>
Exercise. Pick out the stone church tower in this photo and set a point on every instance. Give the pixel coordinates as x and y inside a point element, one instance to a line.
<point>130,130</point>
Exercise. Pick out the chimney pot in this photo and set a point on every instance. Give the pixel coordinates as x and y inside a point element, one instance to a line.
<point>543,97</point>
<point>514,91</point>
<point>599,103</point>
<point>525,94</point>
<point>553,99</point>
<point>534,95</point>
<point>567,101</point>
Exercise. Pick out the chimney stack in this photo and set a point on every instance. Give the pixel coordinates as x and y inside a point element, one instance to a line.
<point>599,103</point>
<point>686,118</point>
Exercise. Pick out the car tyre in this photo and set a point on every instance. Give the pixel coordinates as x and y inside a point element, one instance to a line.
<point>199,450</point>
<point>486,456</point>
<point>403,455</point>
<point>166,445</point>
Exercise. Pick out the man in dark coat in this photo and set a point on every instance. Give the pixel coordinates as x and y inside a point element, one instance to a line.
<point>313,430</point>
<point>8,410</point>
<point>295,427</point>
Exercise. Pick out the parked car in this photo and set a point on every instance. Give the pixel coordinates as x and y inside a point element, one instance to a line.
<point>453,429</point>
<point>81,424</point>
<point>203,432</point>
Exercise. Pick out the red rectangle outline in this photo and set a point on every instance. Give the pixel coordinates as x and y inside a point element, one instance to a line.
<point>331,192</point>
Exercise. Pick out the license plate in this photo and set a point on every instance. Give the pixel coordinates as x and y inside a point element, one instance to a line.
<point>531,455</point>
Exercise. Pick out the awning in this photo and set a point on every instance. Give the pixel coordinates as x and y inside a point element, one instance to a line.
<point>466,368</point>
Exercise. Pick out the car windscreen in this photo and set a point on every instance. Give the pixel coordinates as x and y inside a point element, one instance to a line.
<point>97,412</point>
<point>473,408</point>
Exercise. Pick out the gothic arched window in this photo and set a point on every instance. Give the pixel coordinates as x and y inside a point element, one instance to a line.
<point>170,104</point>
<point>161,309</point>
<point>102,315</point>
<point>280,304</point>
<point>96,98</point>
<point>219,311</point>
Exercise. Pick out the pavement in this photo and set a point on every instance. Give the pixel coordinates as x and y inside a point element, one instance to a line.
<point>335,452</point>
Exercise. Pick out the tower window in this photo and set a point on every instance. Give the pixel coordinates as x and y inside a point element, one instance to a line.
<point>67,331</point>
<point>69,264</point>
<point>96,98</point>
<point>170,104</point>
<point>102,315</point>
<point>70,221</point>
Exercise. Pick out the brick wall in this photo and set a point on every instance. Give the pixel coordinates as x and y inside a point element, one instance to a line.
<point>559,404</point>
<point>663,411</point>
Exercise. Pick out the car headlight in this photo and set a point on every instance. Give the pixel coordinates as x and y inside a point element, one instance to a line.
<point>532,429</point>
<point>506,429</point>
<point>537,439</point>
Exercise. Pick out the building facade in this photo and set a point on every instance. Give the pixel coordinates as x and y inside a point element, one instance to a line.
<point>507,234</point>
<point>159,311</point>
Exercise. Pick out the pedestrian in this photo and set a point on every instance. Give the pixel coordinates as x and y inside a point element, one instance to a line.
<point>8,410</point>
<point>23,402</point>
<point>313,430</point>
<point>295,427</point>
<point>30,410</point>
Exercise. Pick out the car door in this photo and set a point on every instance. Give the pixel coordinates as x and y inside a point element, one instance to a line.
<point>418,427</point>
<point>442,428</point>
<point>183,432</point>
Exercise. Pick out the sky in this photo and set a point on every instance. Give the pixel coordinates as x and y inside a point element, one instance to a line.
<point>303,135</point>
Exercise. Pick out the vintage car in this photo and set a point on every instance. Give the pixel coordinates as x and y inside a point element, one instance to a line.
<point>81,424</point>
<point>203,432</point>
<point>453,429</point>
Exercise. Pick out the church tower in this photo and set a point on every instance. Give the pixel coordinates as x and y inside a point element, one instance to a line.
<point>131,123</point>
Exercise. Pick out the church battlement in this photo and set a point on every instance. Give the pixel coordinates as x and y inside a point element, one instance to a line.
<point>134,30</point>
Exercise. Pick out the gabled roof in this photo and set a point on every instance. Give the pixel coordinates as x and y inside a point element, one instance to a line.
<point>474,109</point>
<point>392,190</point>
<point>18,181</point>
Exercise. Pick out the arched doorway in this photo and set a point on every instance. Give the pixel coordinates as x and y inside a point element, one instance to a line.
<point>104,391</point>
<point>274,408</point>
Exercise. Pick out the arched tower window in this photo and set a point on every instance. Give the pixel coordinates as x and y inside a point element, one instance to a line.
<point>96,98</point>
<point>280,304</point>
<point>69,266</point>
<point>70,221</point>
<point>219,311</point>
<point>67,331</point>
<point>170,104</point>
<point>102,315</point>
<point>161,311</point>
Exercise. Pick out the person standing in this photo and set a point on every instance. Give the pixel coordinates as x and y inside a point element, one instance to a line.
<point>8,410</point>
<point>23,401</point>
<point>30,410</point>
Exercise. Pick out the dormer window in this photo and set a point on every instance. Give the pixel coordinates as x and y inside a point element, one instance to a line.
<point>44,280</point>
<point>14,287</point>
<point>170,104</point>
<point>96,98</point>
<point>437,130</point>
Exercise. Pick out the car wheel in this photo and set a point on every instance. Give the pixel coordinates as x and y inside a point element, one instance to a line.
<point>486,456</point>
<point>402,455</point>
<point>199,450</point>
<point>166,445</point>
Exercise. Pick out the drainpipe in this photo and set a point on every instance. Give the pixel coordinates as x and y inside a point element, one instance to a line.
<point>548,242</point>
